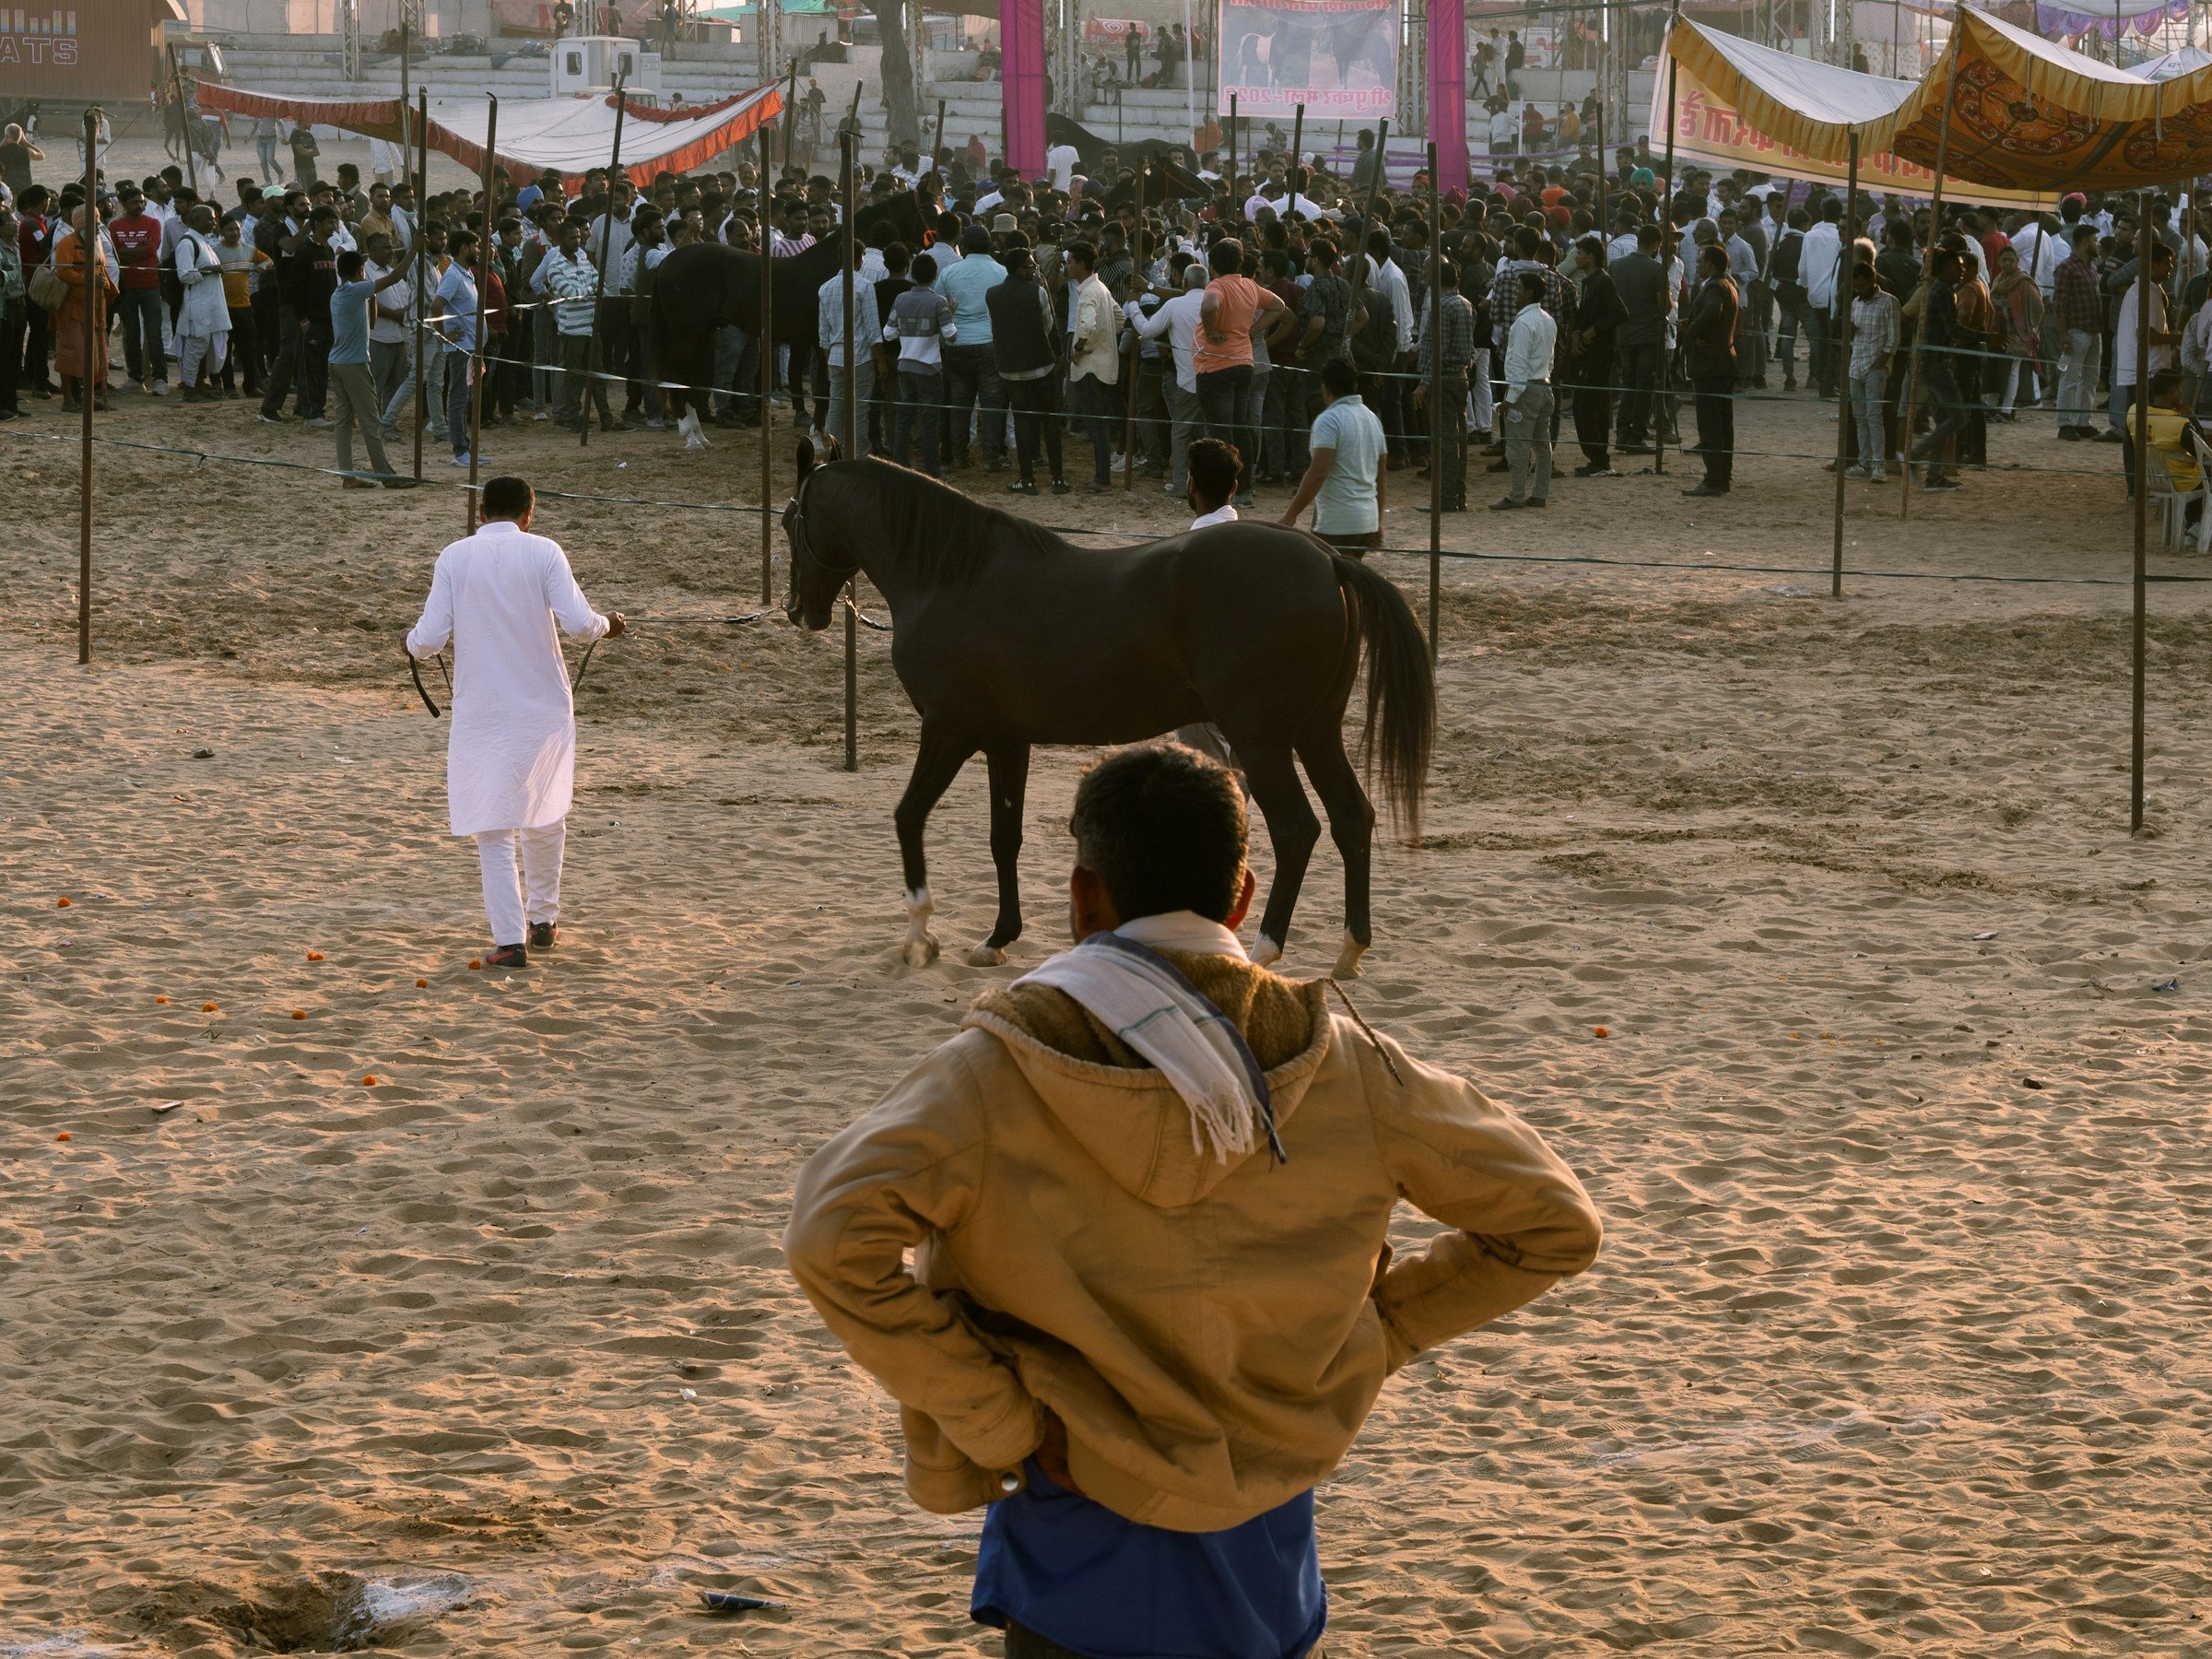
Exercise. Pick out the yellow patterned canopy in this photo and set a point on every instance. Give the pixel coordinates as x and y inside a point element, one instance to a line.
<point>2029,119</point>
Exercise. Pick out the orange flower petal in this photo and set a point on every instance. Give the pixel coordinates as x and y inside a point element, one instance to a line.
<point>209,1008</point>
<point>61,905</point>
<point>368,1080</point>
<point>63,1135</point>
<point>314,956</point>
<point>473,962</point>
<point>421,984</point>
<point>1599,1031</point>
<point>298,1013</point>
<point>160,999</point>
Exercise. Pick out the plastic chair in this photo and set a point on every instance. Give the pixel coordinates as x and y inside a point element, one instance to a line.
<point>2203,492</point>
<point>2169,503</point>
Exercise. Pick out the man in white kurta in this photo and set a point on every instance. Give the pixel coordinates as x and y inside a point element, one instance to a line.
<point>511,760</point>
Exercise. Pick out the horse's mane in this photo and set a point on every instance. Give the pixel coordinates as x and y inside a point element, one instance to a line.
<point>939,533</point>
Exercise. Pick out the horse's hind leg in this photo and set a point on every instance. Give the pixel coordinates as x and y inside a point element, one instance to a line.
<point>1352,826</point>
<point>1291,830</point>
<point>936,763</point>
<point>1009,766</point>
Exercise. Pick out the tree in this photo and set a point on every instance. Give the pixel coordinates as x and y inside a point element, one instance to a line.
<point>901,99</point>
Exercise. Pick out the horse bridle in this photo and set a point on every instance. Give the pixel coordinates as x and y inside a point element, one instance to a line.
<point>802,545</point>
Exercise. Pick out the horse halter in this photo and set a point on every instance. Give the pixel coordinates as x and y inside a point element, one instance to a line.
<point>802,545</point>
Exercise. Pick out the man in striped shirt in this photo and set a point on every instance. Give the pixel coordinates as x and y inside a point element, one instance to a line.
<point>567,276</point>
<point>1455,332</point>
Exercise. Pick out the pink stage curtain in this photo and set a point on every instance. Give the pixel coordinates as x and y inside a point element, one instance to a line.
<point>1448,90</point>
<point>1021,65</point>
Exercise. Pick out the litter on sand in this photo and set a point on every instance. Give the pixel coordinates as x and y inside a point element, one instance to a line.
<point>158,1107</point>
<point>729,1601</point>
<point>1990,935</point>
<point>2173,984</point>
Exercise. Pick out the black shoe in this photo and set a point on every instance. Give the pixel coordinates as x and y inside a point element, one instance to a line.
<point>1507,505</point>
<point>1635,449</point>
<point>398,482</point>
<point>508,956</point>
<point>2108,436</point>
<point>2070,434</point>
<point>1939,486</point>
<point>1060,487</point>
<point>1706,489</point>
<point>1596,469</point>
<point>541,934</point>
<point>1536,502</point>
<point>1501,466</point>
<point>1021,486</point>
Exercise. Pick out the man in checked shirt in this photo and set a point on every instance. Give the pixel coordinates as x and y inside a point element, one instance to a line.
<point>1456,332</point>
<point>2079,323</point>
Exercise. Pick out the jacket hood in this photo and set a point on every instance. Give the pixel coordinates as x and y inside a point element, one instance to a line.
<point>1122,1111</point>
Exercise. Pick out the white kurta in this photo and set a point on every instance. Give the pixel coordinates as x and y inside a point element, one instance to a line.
<point>206,313</point>
<point>511,760</point>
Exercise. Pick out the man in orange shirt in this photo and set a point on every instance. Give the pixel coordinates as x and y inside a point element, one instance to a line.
<point>1233,308</point>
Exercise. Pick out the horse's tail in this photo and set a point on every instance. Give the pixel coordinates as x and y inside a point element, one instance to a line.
<point>1401,691</point>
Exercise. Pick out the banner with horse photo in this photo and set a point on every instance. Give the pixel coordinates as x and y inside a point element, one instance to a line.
<point>1339,58</point>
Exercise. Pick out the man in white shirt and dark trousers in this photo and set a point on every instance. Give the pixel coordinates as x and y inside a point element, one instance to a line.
<point>830,334</point>
<point>510,751</point>
<point>1528,354</point>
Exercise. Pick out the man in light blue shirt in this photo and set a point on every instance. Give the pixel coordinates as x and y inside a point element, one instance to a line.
<point>455,306</point>
<point>1531,341</point>
<point>972,367</point>
<point>851,434</point>
<point>1343,479</point>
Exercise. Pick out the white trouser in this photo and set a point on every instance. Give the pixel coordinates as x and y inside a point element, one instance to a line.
<point>1479,380</point>
<point>503,904</point>
<point>195,349</point>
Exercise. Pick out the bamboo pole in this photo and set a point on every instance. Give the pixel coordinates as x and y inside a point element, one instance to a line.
<point>1298,138</point>
<point>1928,273</point>
<point>1844,277</point>
<point>937,150</point>
<point>2146,240</point>
<point>1665,390</point>
<point>1235,213</point>
<point>1438,415</point>
<point>1136,353</point>
<point>606,239</point>
<point>90,386</point>
<point>422,263</point>
<point>765,349</point>
<point>485,254</point>
<point>849,143</point>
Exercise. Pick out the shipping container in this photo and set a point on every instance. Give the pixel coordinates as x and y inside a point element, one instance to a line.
<point>76,53</point>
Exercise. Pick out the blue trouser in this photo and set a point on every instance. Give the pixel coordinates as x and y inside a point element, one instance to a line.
<point>971,383</point>
<point>139,310</point>
<point>1092,400</point>
<point>920,401</point>
<point>1222,396</point>
<point>458,399</point>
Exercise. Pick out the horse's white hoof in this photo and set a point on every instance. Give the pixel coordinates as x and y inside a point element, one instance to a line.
<point>986,956</point>
<point>1266,953</point>
<point>920,950</point>
<point>1348,959</point>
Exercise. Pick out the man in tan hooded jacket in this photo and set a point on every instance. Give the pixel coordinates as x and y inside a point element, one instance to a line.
<point>1147,1190</point>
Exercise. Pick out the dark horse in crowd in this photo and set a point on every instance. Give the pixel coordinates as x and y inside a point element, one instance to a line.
<point>705,286</point>
<point>1005,636</point>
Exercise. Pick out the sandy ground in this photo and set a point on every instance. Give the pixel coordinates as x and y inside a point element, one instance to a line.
<point>1898,1346</point>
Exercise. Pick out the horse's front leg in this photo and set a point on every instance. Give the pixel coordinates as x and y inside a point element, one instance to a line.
<point>936,765</point>
<point>1009,766</point>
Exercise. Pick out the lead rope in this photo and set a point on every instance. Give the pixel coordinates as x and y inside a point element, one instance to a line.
<point>1360,1020</point>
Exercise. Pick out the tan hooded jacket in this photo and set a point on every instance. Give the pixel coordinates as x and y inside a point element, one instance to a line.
<point>1212,1335</point>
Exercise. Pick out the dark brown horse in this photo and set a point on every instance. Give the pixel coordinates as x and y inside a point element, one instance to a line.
<point>1005,636</point>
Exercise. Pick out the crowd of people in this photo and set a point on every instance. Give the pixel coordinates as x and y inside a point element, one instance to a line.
<point>1095,311</point>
